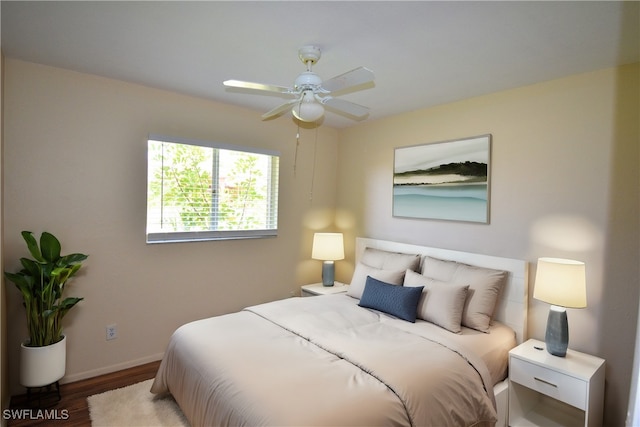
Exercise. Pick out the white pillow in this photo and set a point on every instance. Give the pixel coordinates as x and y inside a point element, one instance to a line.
<point>359,279</point>
<point>441,303</point>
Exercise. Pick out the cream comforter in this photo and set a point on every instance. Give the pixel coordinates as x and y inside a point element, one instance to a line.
<point>320,361</point>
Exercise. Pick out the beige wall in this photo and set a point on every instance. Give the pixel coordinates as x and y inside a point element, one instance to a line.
<point>564,183</point>
<point>75,165</point>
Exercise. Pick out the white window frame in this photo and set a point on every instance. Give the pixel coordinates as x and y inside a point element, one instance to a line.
<point>195,236</point>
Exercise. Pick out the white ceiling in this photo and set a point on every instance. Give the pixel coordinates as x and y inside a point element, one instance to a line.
<point>423,53</point>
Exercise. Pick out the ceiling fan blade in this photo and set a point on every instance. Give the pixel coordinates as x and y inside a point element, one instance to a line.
<point>278,110</point>
<point>345,107</point>
<point>258,86</point>
<point>357,77</point>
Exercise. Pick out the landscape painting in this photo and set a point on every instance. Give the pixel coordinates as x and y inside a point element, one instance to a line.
<point>443,180</point>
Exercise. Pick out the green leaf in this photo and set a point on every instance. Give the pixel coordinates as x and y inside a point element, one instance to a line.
<point>32,245</point>
<point>23,283</point>
<point>50,247</point>
<point>69,302</point>
<point>62,274</point>
<point>66,305</point>
<point>72,259</point>
<point>31,267</point>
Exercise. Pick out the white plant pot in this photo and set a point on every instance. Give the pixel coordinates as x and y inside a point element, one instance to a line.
<point>41,366</point>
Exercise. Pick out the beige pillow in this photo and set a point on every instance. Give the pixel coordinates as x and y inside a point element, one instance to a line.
<point>441,303</point>
<point>390,260</point>
<point>359,279</point>
<point>485,287</point>
<point>439,269</point>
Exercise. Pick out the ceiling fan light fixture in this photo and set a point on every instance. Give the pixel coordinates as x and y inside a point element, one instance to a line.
<point>308,109</point>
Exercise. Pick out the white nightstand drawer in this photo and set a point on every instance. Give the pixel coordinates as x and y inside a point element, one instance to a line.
<point>546,381</point>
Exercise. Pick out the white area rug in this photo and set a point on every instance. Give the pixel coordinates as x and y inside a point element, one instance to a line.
<point>133,406</point>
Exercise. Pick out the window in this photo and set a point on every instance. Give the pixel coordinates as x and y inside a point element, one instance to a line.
<point>198,190</point>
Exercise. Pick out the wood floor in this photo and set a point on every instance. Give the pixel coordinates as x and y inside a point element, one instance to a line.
<point>72,409</point>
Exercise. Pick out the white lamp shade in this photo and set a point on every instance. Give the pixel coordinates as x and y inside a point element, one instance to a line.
<point>308,109</point>
<point>561,282</point>
<point>328,246</point>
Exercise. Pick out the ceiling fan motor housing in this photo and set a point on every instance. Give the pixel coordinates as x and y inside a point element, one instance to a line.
<point>307,80</point>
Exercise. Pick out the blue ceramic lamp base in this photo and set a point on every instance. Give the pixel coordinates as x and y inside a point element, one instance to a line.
<point>557,335</point>
<point>328,273</point>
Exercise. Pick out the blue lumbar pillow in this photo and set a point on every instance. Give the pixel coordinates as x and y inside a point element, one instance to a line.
<point>398,301</point>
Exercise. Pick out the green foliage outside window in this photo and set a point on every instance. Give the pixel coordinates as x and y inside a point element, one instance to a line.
<point>183,183</point>
<point>195,188</point>
<point>241,200</point>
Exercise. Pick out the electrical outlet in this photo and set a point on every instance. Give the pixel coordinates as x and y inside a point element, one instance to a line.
<point>112,332</point>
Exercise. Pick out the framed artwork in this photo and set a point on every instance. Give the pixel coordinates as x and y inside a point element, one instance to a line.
<point>446,180</point>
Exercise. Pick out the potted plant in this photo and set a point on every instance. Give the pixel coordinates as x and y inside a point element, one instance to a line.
<point>42,283</point>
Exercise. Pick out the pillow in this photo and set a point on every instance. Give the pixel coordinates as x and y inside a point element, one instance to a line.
<point>441,303</point>
<point>359,279</point>
<point>485,286</point>
<point>390,260</point>
<point>398,301</point>
<point>438,269</point>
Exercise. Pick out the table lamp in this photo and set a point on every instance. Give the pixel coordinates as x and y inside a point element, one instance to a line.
<point>328,247</point>
<point>561,283</point>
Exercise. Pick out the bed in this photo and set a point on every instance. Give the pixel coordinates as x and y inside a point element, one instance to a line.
<point>360,358</point>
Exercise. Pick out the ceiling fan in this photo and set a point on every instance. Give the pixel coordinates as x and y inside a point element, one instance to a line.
<point>310,94</point>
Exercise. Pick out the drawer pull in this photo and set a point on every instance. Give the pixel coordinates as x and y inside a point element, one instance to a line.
<point>545,382</point>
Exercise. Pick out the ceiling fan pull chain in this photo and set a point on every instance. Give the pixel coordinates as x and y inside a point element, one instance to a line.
<point>295,156</point>
<point>313,168</point>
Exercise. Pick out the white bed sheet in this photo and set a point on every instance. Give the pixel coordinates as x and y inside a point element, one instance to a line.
<point>493,347</point>
<point>323,361</point>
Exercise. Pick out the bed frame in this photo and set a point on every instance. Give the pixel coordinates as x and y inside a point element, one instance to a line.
<point>512,307</point>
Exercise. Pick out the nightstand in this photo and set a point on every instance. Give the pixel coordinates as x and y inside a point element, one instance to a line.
<point>546,390</point>
<point>317,289</point>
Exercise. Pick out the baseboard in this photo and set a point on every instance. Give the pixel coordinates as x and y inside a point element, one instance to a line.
<point>110,369</point>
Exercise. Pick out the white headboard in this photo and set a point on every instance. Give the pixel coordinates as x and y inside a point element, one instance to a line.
<point>512,308</point>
